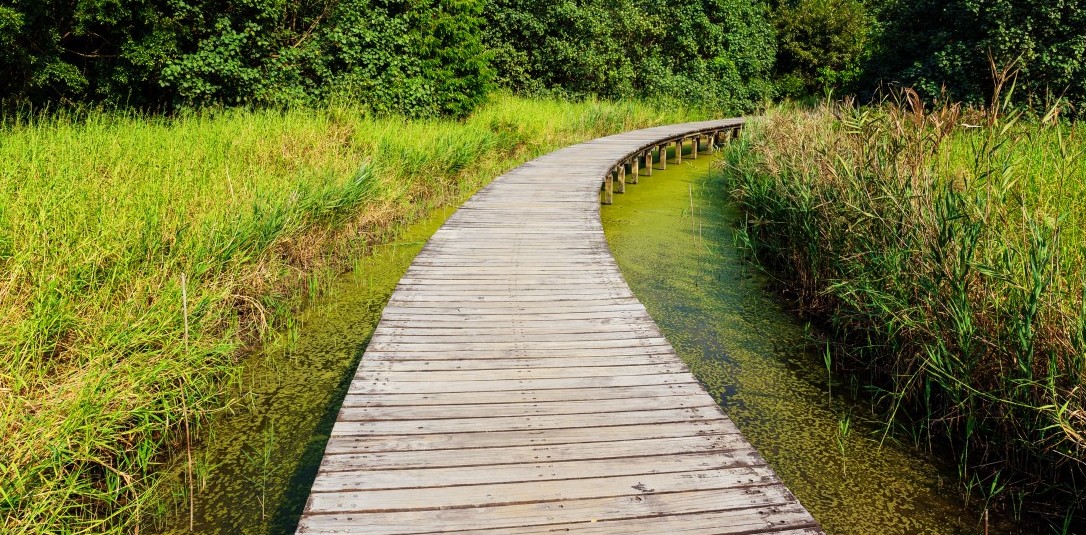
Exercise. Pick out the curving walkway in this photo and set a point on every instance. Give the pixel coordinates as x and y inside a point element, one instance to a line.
<point>515,384</point>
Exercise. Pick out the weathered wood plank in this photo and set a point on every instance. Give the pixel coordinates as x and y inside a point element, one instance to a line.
<point>549,437</point>
<point>358,480</point>
<point>379,385</point>
<point>732,448</point>
<point>725,503</point>
<point>530,408</point>
<point>524,423</point>
<point>521,396</point>
<point>782,520</point>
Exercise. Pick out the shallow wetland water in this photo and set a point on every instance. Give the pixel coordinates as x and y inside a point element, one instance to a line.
<point>754,358</point>
<point>259,459</point>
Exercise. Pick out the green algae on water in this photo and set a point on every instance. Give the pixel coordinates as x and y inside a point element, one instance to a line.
<point>672,237</point>
<point>256,465</point>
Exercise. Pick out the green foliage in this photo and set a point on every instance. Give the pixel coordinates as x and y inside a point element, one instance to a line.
<point>419,58</point>
<point>716,53</point>
<point>949,266</point>
<point>820,44</point>
<point>931,44</point>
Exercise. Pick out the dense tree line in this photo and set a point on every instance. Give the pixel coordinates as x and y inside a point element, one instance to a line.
<point>421,57</point>
<point>711,52</point>
<point>932,44</point>
<point>430,57</point>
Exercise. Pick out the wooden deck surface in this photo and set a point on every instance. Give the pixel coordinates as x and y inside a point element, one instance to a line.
<point>516,385</point>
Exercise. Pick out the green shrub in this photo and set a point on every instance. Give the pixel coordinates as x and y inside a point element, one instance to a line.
<point>715,53</point>
<point>420,58</point>
<point>932,44</point>
<point>820,45</point>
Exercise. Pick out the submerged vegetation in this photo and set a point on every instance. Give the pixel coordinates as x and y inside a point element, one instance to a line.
<point>945,250</point>
<point>140,255</point>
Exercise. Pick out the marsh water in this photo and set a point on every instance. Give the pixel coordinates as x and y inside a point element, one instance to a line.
<point>671,235</point>
<point>258,460</point>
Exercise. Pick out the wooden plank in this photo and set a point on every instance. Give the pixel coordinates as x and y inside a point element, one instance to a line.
<point>731,448</point>
<point>362,479</point>
<point>522,338</point>
<point>525,423</point>
<point>598,436</point>
<point>780,520</point>
<point>514,376</point>
<point>520,396</point>
<point>498,493</point>
<point>516,518</point>
<point>530,408</point>
<point>527,352</point>
<point>500,343</point>
<point>516,385</point>
<point>379,385</point>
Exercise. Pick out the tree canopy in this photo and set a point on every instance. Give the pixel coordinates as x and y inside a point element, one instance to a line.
<point>420,57</point>
<point>937,44</point>
<point>442,57</point>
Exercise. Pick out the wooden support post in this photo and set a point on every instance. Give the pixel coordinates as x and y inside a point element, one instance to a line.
<point>608,189</point>
<point>679,150</point>
<point>648,162</point>
<point>635,170</point>
<point>621,186</point>
<point>695,144</point>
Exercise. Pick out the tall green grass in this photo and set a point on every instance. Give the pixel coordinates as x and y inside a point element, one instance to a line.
<point>139,256</point>
<point>946,251</point>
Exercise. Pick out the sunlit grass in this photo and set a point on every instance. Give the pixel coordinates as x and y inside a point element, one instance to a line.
<point>102,218</point>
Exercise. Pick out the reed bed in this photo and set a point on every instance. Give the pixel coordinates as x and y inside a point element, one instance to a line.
<point>139,257</point>
<point>945,251</point>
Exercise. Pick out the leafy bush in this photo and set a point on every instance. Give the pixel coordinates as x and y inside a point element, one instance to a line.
<point>820,44</point>
<point>716,53</point>
<point>419,58</point>
<point>931,44</point>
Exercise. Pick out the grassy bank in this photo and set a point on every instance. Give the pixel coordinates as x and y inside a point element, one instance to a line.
<point>140,256</point>
<point>946,252</point>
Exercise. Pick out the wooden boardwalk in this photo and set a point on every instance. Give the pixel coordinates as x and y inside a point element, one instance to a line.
<point>515,384</point>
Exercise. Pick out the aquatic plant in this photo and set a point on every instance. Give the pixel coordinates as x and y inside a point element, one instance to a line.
<point>944,250</point>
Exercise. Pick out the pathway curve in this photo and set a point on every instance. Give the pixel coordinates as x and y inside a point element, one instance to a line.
<point>516,385</point>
